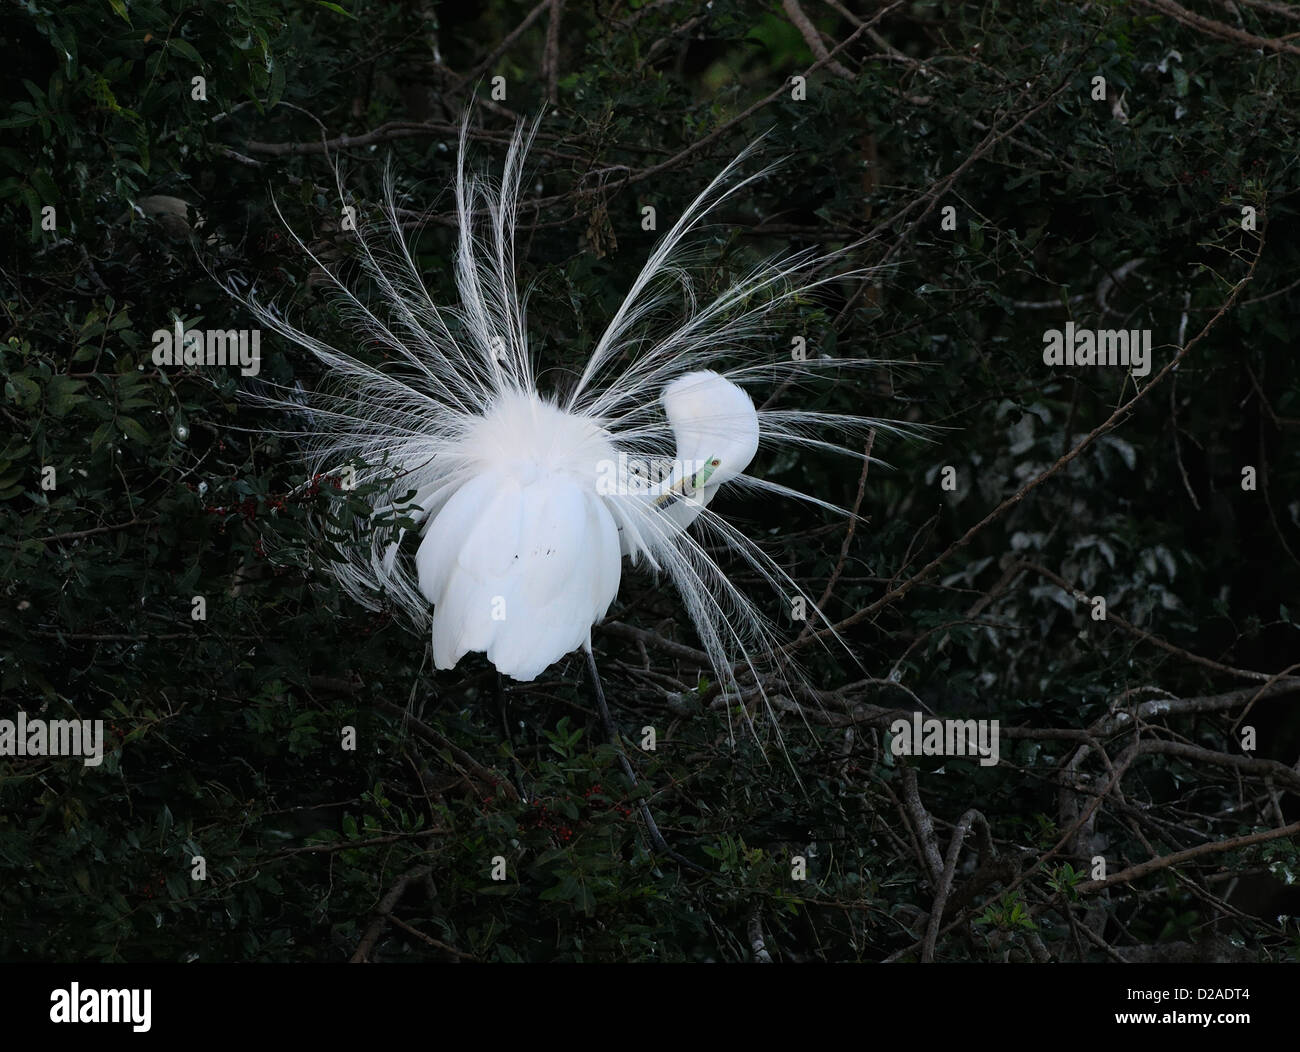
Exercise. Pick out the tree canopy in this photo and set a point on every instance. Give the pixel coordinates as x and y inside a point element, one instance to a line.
<point>1103,559</point>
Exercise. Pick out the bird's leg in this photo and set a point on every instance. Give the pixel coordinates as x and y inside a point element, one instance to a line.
<point>657,841</point>
<point>501,707</point>
<point>505,727</point>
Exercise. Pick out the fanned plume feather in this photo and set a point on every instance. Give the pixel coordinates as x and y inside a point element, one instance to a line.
<point>446,424</point>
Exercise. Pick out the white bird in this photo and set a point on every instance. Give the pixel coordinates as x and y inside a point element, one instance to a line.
<point>523,551</point>
<point>527,500</point>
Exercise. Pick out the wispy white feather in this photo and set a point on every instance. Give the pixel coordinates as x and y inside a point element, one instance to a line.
<point>443,421</point>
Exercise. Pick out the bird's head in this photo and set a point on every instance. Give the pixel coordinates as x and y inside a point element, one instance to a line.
<point>716,427</point>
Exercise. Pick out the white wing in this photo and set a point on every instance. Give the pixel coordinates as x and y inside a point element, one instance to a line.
<point>518,569</point>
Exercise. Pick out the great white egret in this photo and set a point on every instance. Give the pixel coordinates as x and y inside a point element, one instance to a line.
<point>529,500</point>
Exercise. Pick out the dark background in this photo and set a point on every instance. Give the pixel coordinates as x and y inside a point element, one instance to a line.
<point>225,733</point>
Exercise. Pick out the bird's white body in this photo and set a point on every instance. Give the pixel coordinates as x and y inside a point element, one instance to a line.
<point>518,565</point>
<point>524,556</point>
<point>523,536</point>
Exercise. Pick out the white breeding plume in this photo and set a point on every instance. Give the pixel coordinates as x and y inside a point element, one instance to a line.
<point>528,500</point>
